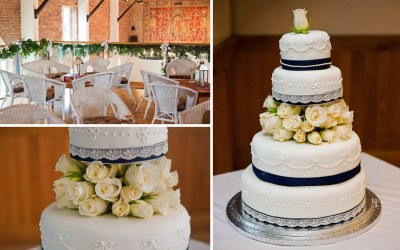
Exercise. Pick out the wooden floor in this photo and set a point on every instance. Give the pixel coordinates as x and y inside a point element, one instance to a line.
<point>137,90</point>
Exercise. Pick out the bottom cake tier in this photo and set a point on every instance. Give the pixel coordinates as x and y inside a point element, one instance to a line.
<point>67,229</point>
<point>302,202</point>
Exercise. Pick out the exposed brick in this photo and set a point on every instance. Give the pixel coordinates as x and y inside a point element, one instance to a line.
<point>99,22</point>
<point>10,20</point>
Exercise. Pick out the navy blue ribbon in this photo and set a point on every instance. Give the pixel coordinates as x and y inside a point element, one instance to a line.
<point>300,65</point>
<point>118,161</point>
<point>312,181</point>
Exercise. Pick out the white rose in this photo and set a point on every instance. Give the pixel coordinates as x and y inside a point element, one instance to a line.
<point>300,20</point>
<point>131,193</point>
<point>162,201</point>
<point>348,117</point>
<point>314,138</point>
<point>334,109</point>
<point>282,134</point>
<point>167,179</point>
<point>292,122</point>
<point>270,103</point>
<point>66,165</point>
<point>59,186</point>
<point>285,110</point>
<point>93,207</point>
<point>316,115</point>
<point>263,116</point>
<point>307,127</point>
<point>329,122</point>
<point>343,131</point>
<point>175,198</point>
<point>62,202</point>
<point>97,172</point>
<point>120,209</point>
<point>342,103</point>
<point>271,124</point>
<point>300,136</point>
<point>141,209</point>
<point>146,176</point>
<point>109,189</point>
<point>119,169</point>
<point>78,192</point>
<point>329,135</point>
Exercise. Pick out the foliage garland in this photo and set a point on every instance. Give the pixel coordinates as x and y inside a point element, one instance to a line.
<point>28,47</point>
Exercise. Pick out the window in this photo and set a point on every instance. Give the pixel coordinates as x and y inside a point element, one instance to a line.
<point>69,23</point>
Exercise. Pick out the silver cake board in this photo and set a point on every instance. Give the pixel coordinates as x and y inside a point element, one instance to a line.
<point>310,236</point>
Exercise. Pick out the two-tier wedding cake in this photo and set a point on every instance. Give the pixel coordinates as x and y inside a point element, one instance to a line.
<point>116,193</point>
<point>305,167</point>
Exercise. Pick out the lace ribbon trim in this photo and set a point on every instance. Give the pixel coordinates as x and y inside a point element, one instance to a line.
<point>308,99</point>
<point>313,222</point>
<point>119,155</point>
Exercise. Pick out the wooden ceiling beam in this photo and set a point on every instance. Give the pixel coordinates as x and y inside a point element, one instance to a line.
<point>40,8</point>
<point>94,10</point>
<point>130,6</point>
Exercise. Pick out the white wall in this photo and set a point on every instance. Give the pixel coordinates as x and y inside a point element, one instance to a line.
<point>29,25</point>
<point>341,17</point>
<point>83,25</point>
<point>114,27</point>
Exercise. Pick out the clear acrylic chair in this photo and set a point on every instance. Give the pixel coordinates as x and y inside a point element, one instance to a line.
<point>27,114</point>
<point>45,92</point>
<point>14,86</point>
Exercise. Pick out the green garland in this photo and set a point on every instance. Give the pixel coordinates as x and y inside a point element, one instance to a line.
<point>28,47</point>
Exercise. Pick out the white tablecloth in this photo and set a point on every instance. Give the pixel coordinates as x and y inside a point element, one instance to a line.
<point>193,245</point>
<point>382,178</point>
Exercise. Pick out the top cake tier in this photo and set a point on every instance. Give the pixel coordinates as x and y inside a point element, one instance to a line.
<point>118,145</point>
<point>314,45</point>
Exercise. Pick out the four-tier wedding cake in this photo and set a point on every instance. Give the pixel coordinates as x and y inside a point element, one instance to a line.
<point>305,167</point>
<point>116,193</point>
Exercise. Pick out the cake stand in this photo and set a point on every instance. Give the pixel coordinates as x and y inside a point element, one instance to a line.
<point>309,236</point>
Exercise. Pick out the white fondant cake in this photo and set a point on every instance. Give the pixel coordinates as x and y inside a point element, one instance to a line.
<point>65,229</point>
<point>313,45</point>
<point>116,193</point>
<point>326,83</point>
<point>306,169</point>
<point>120,144</point>
<point>305,160</point>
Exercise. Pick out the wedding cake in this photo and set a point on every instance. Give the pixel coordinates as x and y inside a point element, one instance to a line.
<point>116,193</point>
<point>305,169</point>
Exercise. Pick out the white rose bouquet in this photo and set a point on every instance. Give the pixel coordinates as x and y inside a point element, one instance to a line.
<point>309,124</point>
<point>138,190</point>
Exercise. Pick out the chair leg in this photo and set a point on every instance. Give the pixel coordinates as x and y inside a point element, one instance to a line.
<point>154,119</point>
<point>147,109</point>
<point>131,95</point>
<point>4,101</point>
<point>140,103</point>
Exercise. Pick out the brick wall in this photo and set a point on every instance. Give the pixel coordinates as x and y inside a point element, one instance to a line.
<point>50,19</point>
<point>134,17</point>
<point>10,20</point>
<point>99,22</point>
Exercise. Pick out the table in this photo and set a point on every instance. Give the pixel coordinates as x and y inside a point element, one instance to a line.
<point>193,245</point>
<point>68,82</point>
<point>382,178</point>
<point>203,92</point>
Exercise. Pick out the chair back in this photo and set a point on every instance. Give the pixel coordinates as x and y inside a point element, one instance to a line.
<point>120,71</point>
<point>194,115</point>
<point>5,78</point>
<point>36,88</point>
<point>42,67</point>
<point>153,77</point>
<point>99,80</point>
<point>92,102</point>
<point>165,97</point>
<point>27,114</point>
<point>189,94</point>
<point>97,64</point>
<point>146,81</point>
<point>180,67</point>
